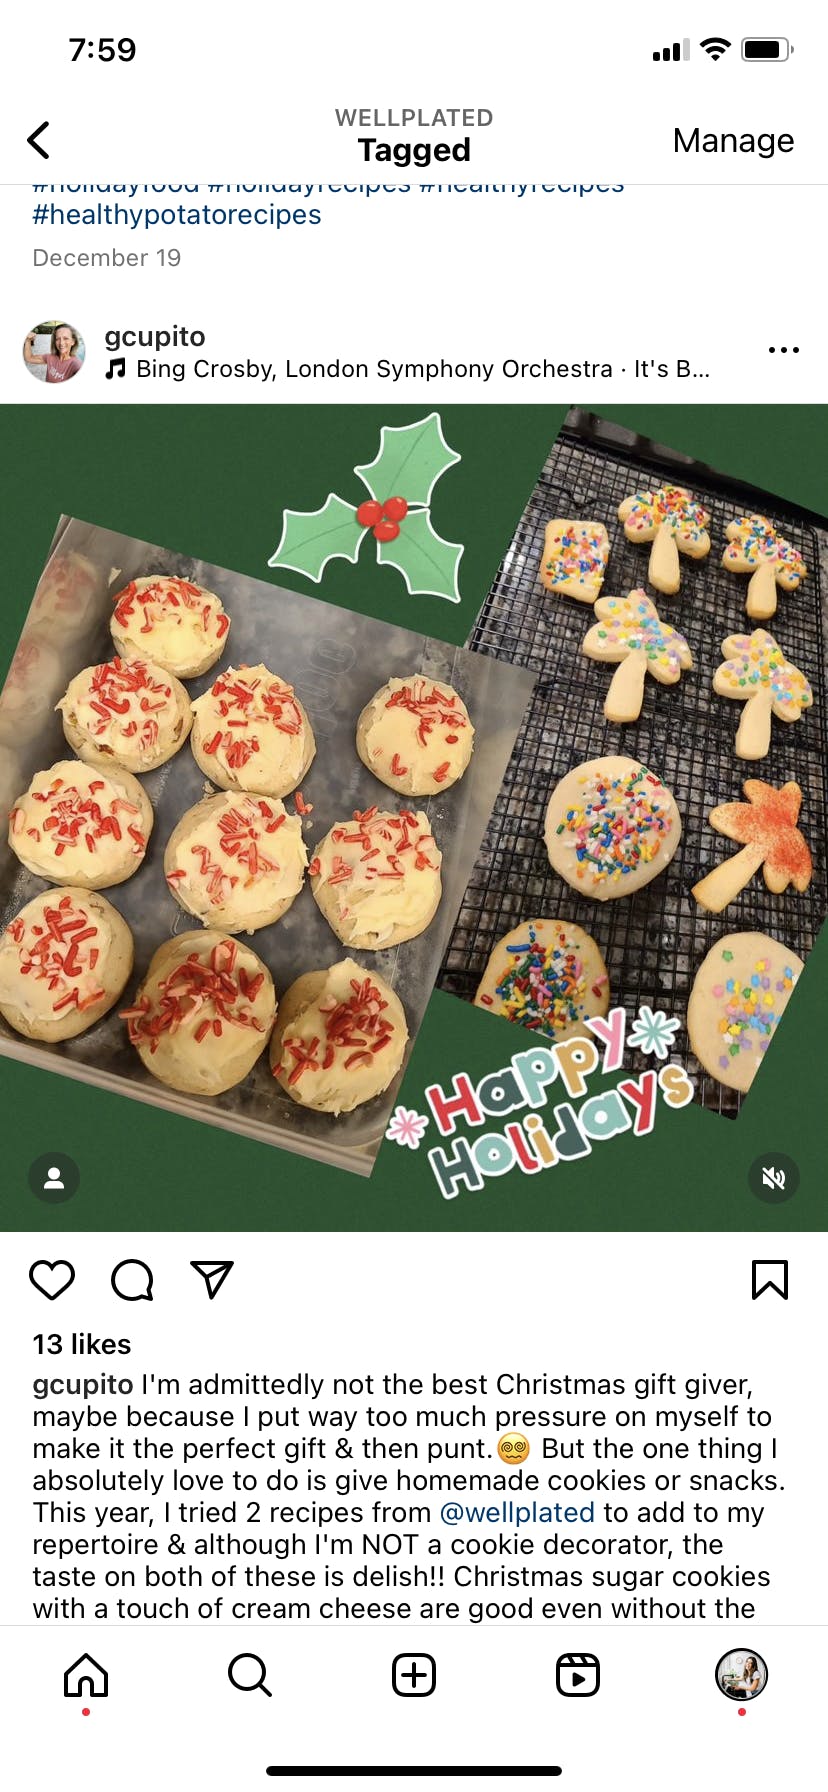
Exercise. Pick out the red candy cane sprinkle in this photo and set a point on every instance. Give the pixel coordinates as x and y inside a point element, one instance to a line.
<point>127,688</point>
<point>164,600</point>
<point>357,1026</point>
<point>204,991</point>
<point>55,950</point>
<point>431,708</point>
<point>380,837</point>
<point>247,702</point>
<point>75,815</point>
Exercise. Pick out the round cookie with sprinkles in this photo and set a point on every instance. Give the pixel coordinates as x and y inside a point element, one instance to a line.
<point>236,862</point>
<point>574,558</point>
<point>611,826</point>
<point>250,732</point>
<point>128,713</point>
<point>339,1040</point>
<point>203,1014</point>
<point>739,996</point>
<point>64,961</point>
<point>548,976</point>
<point>79,823</point>
<point>416,736</point>
<point>376,878</point>
<point>176,624</point>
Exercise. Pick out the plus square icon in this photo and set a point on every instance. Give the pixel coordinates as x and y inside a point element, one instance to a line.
<point>414,1676</point>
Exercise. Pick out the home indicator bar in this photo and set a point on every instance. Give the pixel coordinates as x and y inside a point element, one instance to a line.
<point>455,1773</point>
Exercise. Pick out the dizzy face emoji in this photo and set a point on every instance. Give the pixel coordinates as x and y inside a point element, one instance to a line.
<point>513,1447</point>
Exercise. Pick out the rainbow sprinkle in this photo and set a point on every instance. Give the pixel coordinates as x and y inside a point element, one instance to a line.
<point>754,538</point>
<point>579,554</point>
<point>619,824</point>
<point>750,1012</point>
<point>645,512</point>
<point>634,623</point>
<point>757,660</point>
<point>545,988</point>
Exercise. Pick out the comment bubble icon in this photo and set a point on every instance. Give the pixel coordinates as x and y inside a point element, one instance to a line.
<point>132,1279</point>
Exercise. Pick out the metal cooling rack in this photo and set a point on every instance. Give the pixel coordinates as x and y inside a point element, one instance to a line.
<point>653,942</point>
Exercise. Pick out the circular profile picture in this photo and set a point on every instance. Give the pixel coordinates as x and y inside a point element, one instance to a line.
<point>741,1675</point>
<point>54,352</point>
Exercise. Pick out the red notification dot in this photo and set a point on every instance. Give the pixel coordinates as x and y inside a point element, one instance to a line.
<point>742,1711</point>
<point>85,1712</point>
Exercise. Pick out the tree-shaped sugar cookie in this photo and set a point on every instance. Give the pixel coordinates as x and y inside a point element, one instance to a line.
<point>630,629</point>
<point>766,828</point>
<point>670,518</point>
<point>754,546</point>
<point>757,674</point>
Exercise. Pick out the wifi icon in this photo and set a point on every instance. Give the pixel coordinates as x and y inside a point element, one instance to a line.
<point>715,46</point>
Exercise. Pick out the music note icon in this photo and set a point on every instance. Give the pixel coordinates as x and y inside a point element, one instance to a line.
<point>117,366</point>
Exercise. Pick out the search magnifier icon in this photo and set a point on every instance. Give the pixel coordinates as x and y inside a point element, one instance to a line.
<point>247,1674</point>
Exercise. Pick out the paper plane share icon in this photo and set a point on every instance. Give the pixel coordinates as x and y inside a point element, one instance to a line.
<point>215,1275</point>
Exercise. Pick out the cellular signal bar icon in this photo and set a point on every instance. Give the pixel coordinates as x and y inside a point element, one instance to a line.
<point>674,52</point>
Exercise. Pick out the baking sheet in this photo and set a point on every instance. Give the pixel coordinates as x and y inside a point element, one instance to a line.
<point>336,660</point>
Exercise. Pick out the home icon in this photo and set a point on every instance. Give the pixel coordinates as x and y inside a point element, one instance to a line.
<point>85,1679</point>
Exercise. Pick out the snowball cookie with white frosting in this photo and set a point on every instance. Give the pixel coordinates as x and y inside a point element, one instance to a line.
<point>236,861</point>
<point>741,991</point>
<point>178,626</point>
<point>376,878</point>
<point>83,824</point>
<point>339,1040</point>
<point>203,1014</point>
<point>415,735</point>
<point>611,826</point>
<point>547,975</point>
<point>64,961</point>
<point>126,712</point>
<point>250,732</point>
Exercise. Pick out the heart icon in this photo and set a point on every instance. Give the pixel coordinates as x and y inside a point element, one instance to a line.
<point>52,1279</point>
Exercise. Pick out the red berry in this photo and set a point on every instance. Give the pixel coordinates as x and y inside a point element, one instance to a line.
<point>386,530</point>
<point>369,513</point>
<point>395,509</point>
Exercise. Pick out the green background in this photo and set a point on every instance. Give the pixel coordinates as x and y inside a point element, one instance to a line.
<point>212,482</point>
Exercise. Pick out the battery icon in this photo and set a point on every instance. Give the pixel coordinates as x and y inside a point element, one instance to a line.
<point>766,49</point>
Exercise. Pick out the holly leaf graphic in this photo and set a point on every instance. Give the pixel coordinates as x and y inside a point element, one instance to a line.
<point>410,461</point>
<point>428,563</point>
<point>310,538</point>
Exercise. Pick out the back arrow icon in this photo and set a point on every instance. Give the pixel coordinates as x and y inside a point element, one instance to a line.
<point>34,143</point>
